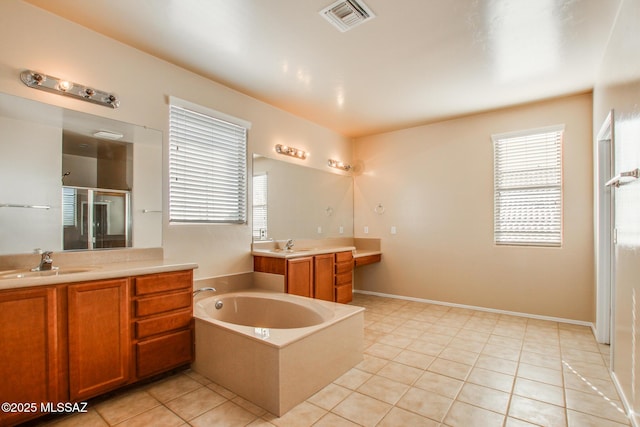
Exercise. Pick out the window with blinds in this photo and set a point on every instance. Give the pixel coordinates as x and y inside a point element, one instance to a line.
<point>528,188</point>
<point>207,166</point>
<point>260,206</point>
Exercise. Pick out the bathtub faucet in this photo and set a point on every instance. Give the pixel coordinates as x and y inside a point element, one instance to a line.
<point>197,291</point>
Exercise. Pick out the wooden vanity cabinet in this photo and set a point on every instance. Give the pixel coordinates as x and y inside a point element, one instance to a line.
<point>163,327</point>
<point>323,275</point>
<point>344,277</point>
<point>299,276</point>
<point>326,276</point>
<point>30,350</point>
<point>98,336</point>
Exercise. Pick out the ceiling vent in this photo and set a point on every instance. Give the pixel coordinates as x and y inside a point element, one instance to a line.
<point>346,14</point>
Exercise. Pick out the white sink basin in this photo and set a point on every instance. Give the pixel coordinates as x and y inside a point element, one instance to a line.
<point>26,273</point>
<point>293,251</point>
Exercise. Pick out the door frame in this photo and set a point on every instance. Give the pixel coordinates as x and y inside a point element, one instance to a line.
<point>604,230</point>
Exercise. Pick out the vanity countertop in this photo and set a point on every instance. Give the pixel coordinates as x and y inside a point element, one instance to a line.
<point>84,272</point>
<point>297,253</point>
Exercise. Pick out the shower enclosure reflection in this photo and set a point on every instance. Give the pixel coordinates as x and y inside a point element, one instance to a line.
<point>95,219</point>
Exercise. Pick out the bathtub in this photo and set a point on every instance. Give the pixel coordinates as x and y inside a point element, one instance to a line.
<point>274,349</point>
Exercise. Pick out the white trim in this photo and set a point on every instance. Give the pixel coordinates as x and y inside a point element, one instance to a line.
<point>625,402</point>
<point>209,112</point>
<point>518,133</point>
<point>486,309</point>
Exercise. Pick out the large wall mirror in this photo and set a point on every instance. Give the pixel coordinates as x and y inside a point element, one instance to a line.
<point>75,181</point>
<point>297,202</point>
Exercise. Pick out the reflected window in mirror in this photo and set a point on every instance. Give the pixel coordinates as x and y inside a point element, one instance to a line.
<point>260,200</point>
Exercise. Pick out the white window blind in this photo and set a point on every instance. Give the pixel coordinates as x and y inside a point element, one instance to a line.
<point>528,188</point>
<point>260,206</point>
<point>207,168</point>
<point>69,209</point>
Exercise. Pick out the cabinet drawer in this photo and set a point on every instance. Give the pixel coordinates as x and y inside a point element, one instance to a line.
<point>160,354</point>
<point>158,324</point>
<point>162,303</point>
<point>344,256</point>
<point>344,267</point>
<point>344,278</point>
<point>163,282</point>
<point>344,294</point>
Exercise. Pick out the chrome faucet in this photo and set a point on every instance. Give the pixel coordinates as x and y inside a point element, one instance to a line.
<point>46,262</point>
<point>288,245</point>
<point>197,291</point>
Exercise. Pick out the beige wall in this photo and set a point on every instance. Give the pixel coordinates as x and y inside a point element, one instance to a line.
<point>436,185</point>
<point>34,39</point>
<point>618,88</point>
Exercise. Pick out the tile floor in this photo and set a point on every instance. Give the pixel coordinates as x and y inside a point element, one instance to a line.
<point>424,365</point>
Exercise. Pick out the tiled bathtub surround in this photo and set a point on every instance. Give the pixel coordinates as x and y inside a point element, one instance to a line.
<point>425,365</point>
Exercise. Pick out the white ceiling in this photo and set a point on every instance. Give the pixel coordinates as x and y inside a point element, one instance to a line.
<point>418,61</point>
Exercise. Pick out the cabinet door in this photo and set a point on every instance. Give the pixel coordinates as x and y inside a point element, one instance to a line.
<point>99,347</point>
<point>28,349</point>
<point>323,277</point>
<point>300,276</point>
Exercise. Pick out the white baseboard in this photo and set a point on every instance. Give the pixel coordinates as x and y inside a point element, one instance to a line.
<point>473,307</point>
<point>630,414</point>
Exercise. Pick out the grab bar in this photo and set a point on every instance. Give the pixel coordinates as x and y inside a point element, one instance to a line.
<point>616,181</point>
<point>10,205</point>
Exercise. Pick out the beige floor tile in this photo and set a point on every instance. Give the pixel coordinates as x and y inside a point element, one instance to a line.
<point>249,406</point>
<point>458,355</point>
<point>303,415</point>
<point>383,351</point>
<point>371,364</point>
<point>408,332</point>
<point>195,403</point>
<point>484,397</point>
<point>450,368</point>
<point>228,394</point>
<point>600,406</point>
<point>425,403</point>
<point>465,343</point>
<point>330,396</point>
<point>578,419</point>
<point>439,329</point>
<point>333,420</point>
<point>586,370</point>
<point>361,409</point>
<point>173,387</point>
<point>505,341</point>
<point>159,416</point>
<point>381,327</point>
<point>572,356</point>
<point>491,379</point>
<point>495,364</point>
<point>501,352</point>
<point>400,417</point>
<point>443,385</point>
<point>395,340</point>
<point>88,419</point>
<point>353,378</point>
<point>400,372</point>
<point>125,406</point>
<point>590,385</point>
<point>539,391</point>
<point>430,348</point>
<point>415,359</point>
<point>259,422</point>
<point>465,415</point>
<point>383,389</point>
<point>540,374</point>
<point>417,325</point>
<point>537,412</point>
<point>542,360</point>
<point>436,338</point>
<point>514,422</point>
<point>226,415</point>
<point>198,377</point>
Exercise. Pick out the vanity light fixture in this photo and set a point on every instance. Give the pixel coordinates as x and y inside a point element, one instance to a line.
<point>291,151</point>
<point>52,84</point>
<point>339,165</point>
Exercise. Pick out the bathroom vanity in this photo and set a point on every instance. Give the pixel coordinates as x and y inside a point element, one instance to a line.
<point>321,269</point>
<point>70,337</point>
